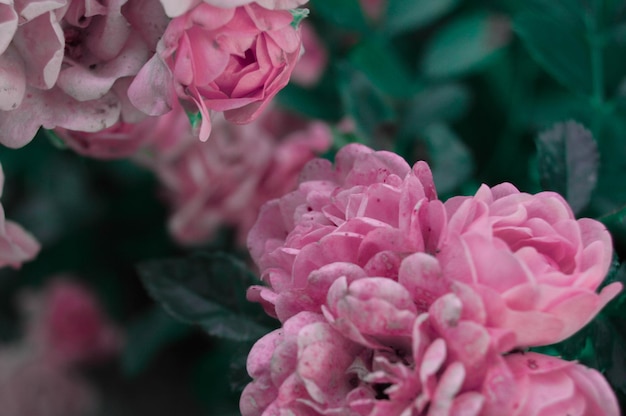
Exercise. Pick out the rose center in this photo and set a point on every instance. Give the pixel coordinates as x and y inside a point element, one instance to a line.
<point>248,59</point>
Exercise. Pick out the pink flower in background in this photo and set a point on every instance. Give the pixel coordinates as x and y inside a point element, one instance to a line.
<point>30,386</point>
<point>313,62</point>
<point>16,244</point>
<point>373,9</point>
<point>118,141</point>
<point>232,60</point>
<point>224,181</point>
<point>127,139</point>
<point>175,8</point>
<point>69,63</point>
<point>64,327</point>
<point>68,324</point>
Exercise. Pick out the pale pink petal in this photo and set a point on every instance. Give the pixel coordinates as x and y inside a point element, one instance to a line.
<point>8,24</point>
<point>12,80</point>
<point>40,43</point>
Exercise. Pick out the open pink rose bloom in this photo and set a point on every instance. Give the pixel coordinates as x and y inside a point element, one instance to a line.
<point>232,60</point>
<point>93,66</point>
<point>393,302</point>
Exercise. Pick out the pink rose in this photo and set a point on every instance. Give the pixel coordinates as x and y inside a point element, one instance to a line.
<point>372,354</point>
<point>16,244</point>
<point>424,304</point>
<point>535,266</point>
<point>222,182</point>
<point>532,265</point>
<point>175,8</point>
<point>232,60</point>
<point>68,63</point>
<point>363,212</point>
<point>311,65</point>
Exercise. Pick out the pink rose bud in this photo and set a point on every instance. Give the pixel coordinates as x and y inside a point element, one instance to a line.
<point>233,60</point>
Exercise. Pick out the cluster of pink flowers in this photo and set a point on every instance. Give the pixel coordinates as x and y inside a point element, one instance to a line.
<point>226,180</point>
<point>65,328</point>
<point>393,302</point>
<point>87,65</point>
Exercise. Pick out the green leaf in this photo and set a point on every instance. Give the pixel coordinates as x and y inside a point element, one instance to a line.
<point>405,15</point>
<point>298,16</point>
<point>362,101</point>
<point>466,44</point>
<point>322,103</point>
<point>208,290</point>
<point>195,119</point>
<point>437,103</point>
<point>346,14</point>
<point>147,335</point>
<point>559,46</point>
<point>615,221</point>
<point>568,162</point>
<point>382,66</point>
<point>452,162</point>
<point>212,377</point>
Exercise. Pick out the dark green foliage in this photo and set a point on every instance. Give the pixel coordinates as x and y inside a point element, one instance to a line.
<point>207,290</point>
<point>568,162</point>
